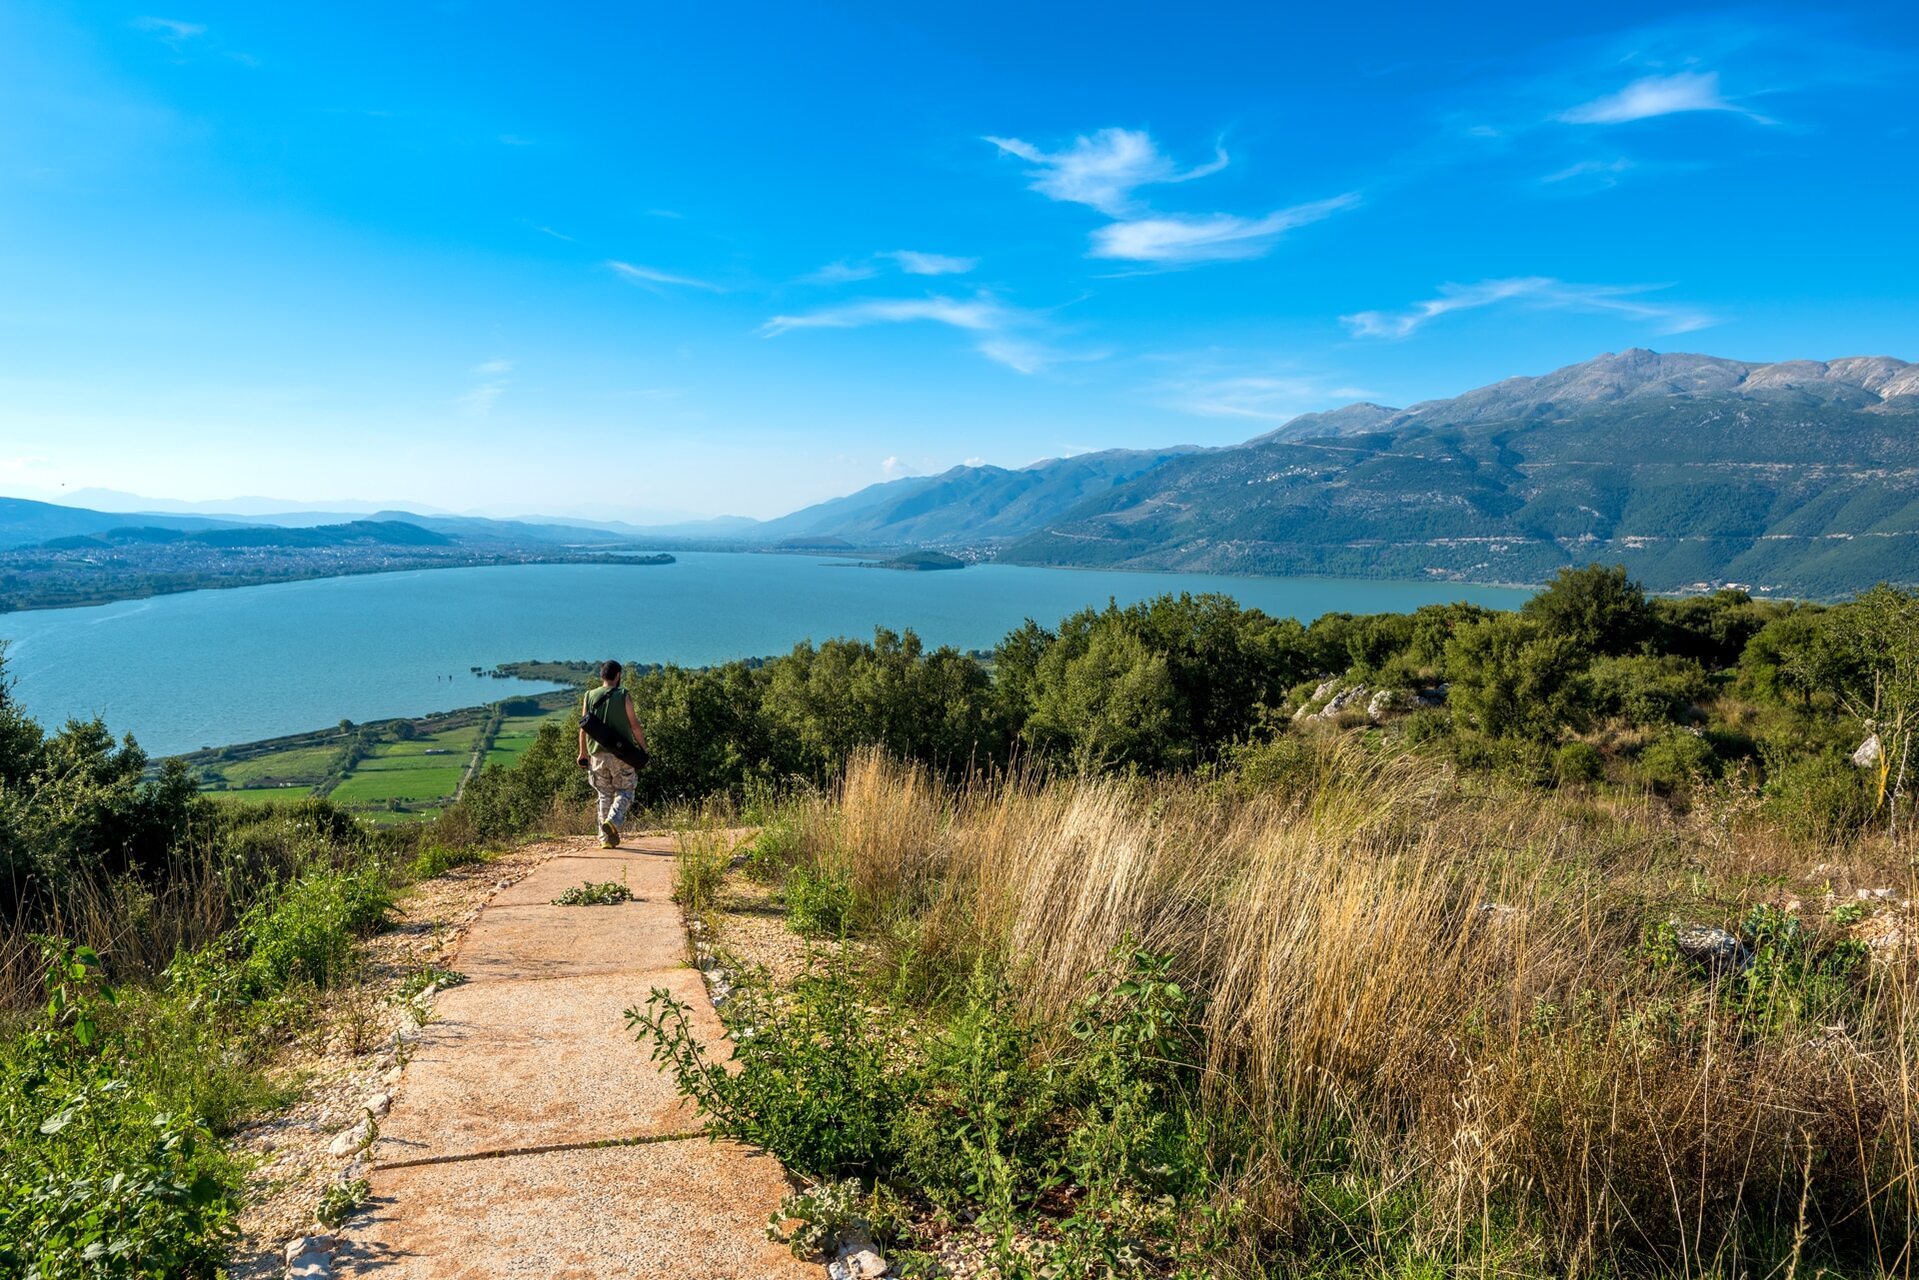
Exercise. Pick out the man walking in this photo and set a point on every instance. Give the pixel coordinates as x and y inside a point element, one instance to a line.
<point>613,779</point>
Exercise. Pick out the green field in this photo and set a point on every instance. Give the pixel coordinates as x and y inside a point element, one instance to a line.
<point>262,795</point>
<point>405,773</point>
<point>307,763</point>
<point>516,735</point>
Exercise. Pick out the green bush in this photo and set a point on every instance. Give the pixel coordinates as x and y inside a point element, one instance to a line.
<point>1822,798</point>
<point>1678,760</point>
<point>774,850</point>
<point>811,1084</point>
<point>699,869</point>
<point>980,1128</point>
<point>306,934</point>
<point>437,859</point>
<point>1578,762</point>
<point>595,893</point>
<point>99,1177</point>
<point>1648,690</point>
<point>818,901</point>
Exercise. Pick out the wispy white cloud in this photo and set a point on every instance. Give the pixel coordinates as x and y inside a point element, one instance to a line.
<point>549,231</point>
<point>649,277</point>
<point>911,261</point>
<point>1216,383</point>
<point>977,315</point>
<point>1102,171</point>
<point>893,468</point>
<point>1536,292</point>
<point>841,272</point>
<point>1003,334</point>
<point>915,263</point>
<point>1598,172</point>
<point>1213,237</point>
<point>1652,96</point>
<point>170,31</point>
<point>480,399</point>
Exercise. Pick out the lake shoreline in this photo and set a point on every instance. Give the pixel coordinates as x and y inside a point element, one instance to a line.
<point>194,669</point>
<point>240,583</point>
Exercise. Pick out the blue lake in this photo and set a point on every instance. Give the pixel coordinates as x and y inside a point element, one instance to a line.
<point>212,667</point>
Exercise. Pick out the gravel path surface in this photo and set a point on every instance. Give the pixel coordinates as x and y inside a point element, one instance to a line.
<point>530,1136</point>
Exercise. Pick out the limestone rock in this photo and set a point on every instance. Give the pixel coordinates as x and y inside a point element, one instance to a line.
<point>378,1104</point>
<point>857,1264</point>
<point>1385,702</point>
<point>352,1138</point>
<point>309,1258</point>
<point>1868,753</point>
<point>1715,949</point>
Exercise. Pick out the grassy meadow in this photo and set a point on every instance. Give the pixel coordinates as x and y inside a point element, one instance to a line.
<point>1370,1016</point>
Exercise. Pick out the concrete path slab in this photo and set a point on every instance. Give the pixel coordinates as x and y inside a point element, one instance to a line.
<point>494,1159</point>
<point>647,873</point>
<point>522,943</point>
<point>687,1208</point>
<point>507,1065</point>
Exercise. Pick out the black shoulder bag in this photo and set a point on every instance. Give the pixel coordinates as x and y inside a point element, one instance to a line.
<point>610,738</point>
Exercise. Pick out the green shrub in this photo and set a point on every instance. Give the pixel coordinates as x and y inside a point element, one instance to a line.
<point>592,893</point>
<point>830,1213</point>
<point>1648,690</point>
<point>1821,798</point>
<point>699,869</point>
<point>774,850</point>
<point>341,1201</point>
<point>1678,760</point>
<point>980,1128</point>
<point>818,902</point>
<point>306,934</point>
<point>437,859</point>
<point>99,1177</point>
<point>811,1084</point>
<point>1796,978</point>
<point>1578,762</point>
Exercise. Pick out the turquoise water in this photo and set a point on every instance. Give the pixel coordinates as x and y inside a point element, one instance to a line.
<point>212,667</point>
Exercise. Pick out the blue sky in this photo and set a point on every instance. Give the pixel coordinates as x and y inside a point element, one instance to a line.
<point>638,259</point>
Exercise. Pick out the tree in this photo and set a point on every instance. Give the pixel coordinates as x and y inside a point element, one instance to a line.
<point>1600,610</point>
<point>1512,678</point>
<point>1109,704</point>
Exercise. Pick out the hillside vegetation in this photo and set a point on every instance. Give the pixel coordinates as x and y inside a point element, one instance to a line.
<point>1174,939</point>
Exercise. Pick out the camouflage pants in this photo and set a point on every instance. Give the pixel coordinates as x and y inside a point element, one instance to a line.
<point>613,781</point>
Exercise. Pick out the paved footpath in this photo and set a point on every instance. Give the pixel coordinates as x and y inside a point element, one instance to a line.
<point>530,1135</point>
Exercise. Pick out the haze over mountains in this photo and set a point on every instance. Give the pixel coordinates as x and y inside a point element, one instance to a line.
<point>1800,477</point>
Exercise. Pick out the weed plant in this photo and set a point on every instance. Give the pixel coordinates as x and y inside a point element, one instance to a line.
<point>819,902</point>
<point>700,866</point>
<point>595,893</point>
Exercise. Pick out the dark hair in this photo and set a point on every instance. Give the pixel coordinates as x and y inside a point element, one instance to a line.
<point>610,670</point>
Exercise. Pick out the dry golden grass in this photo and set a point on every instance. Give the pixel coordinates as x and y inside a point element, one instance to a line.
<point>1430,1014</point>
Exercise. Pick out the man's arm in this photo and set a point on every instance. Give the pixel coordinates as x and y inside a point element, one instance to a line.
<point>632,718</point>
<point>582,732</point>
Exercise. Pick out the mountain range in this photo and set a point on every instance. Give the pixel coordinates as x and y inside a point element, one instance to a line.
<point>1800,477</point>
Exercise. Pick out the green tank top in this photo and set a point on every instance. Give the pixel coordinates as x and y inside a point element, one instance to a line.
<point>610,706</point>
